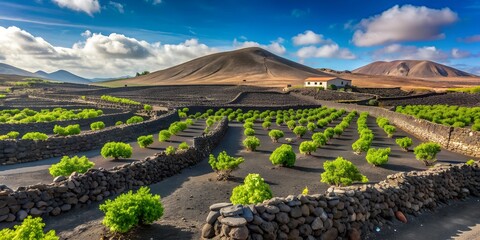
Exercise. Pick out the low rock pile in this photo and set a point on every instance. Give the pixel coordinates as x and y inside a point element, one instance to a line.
<point>345,212</point>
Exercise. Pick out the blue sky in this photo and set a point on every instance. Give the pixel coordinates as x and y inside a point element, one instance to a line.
<point>104,38</point>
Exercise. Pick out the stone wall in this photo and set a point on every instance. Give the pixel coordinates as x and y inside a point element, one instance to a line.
<point>47,127</point>
<point>79,190</point>
<point>461,140</point>
<point>343,212</point>
<point>245,108</point>
<point>15,151</point>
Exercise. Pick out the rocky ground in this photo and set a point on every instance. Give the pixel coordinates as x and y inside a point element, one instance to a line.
<point>187,196</point>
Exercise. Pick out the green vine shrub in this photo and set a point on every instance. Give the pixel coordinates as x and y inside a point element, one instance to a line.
<point>249,132</point>
<point>319,139</point>
<point>36,136</point>
<point>307,147</point>
<point>283,156</point>
<point>378,156</point>
<point>30,229</point>
<point>116,150</point>
<point>341,172</point>
<point>170,150</point>
<point>275,135</point>
<point>164,135</point>
<point>300,131</point>
<point>97,125</point>
<point>145,141</point>
<point>253,190</point>
<point>427,152</point>
<point>183,146</point>
<point>404,143</point>
<point>134,119</point>
<point>68,165</point>
<point>224,164</point>
<point>131,209</point>
<point>251,143</point>
<point>68,130</point>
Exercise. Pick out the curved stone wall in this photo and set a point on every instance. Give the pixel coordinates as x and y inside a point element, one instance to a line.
<point>460,140</point>
<point>97,184</point>
<point>47,127</point>
<point>15,151</point>
<point>346,213</point>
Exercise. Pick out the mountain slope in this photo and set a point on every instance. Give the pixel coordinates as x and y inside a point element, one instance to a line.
<point>411,68</point>
<point>63,76</point>
<point>254,66</point>
<point>11,70</point>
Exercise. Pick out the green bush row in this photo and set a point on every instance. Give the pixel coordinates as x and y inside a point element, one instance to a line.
<point>455,116</point>
<point>113,99</point>
<point>384,123</point>
<point>365,135</point>
<point>45,115</point>
<point>68,130</point>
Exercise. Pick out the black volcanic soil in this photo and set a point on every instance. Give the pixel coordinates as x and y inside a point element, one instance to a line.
<point>385,92</point>
<point>329,95</point>
<point>459,99</point>
<point>187,196</point>
<point>177,95</point>
<point>269,99</point>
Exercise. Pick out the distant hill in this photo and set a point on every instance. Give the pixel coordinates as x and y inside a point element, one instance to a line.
<point>11,70</point>
<point>254,66</point>
<point>63,76</point>
<point>332,71</point>
<point>411,68</point>
<point>60,75</point>
<point>108,79</point>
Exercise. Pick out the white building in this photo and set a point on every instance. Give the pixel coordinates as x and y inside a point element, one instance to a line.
<point>327,81</point>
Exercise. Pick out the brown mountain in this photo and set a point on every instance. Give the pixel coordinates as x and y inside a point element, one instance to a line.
<point>254,66</point>
<point>411,68</point>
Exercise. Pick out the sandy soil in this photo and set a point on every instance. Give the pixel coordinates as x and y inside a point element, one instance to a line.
<point>187,196</point>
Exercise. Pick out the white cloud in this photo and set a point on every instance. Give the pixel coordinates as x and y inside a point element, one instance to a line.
<point>331,50</point>
<point>457,53</point>
<point>397,51</point>
<point>118,6</point>
<point>471,39</point>
<point>406,23</point>
<point>154,2</point>
<point>86,34</point>
<point>88,6</point>
<point>308,37</point>
<point>96,56</point>
<point>275,46</point>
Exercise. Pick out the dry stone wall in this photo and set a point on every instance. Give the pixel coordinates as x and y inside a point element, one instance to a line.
<point>15,151</point>
<point>47,127</point>
<point>79,190</point>
<point>343,212</point>
<point>460,140</point>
